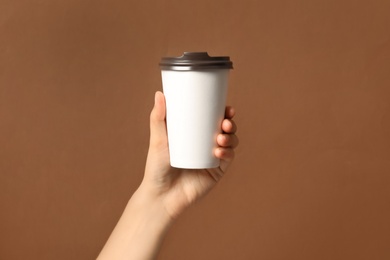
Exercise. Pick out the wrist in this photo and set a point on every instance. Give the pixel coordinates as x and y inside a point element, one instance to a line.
<point>149,206</point>
<point>140,231</point>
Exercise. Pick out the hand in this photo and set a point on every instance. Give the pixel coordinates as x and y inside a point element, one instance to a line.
<point>177,188</point>
<point>165,191</point>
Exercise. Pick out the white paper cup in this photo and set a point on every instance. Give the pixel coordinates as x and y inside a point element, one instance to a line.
<point>195,96</point>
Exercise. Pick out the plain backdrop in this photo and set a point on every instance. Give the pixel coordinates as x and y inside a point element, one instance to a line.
<point>311,89</point>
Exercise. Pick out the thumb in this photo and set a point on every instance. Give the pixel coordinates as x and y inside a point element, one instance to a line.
<point>158,129</point>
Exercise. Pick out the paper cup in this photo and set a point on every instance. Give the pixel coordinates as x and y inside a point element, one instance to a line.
<point>195,88</point>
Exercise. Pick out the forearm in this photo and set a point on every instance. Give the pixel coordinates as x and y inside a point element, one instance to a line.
<point>140,230</point>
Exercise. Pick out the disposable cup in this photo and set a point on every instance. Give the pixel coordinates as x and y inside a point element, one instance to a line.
<point>195,88</point>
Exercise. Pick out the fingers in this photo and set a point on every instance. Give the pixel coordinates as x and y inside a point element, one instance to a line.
<point>229,126</point>
<point>158,132</point>
<point>158,112</point>
<point>229,112</point>
<point>227,140</point>
<point>225,154</point>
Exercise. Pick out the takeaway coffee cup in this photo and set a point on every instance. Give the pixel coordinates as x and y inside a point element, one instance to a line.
<point>195,87</point>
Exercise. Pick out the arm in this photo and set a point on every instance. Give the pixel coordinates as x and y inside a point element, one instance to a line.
<point>165,192</point>
<point>140,230</point>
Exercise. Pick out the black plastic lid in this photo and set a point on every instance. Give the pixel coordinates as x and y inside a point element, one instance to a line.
<point>195,61</point>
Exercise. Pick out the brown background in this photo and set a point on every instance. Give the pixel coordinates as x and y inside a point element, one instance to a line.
<point>311,87</point>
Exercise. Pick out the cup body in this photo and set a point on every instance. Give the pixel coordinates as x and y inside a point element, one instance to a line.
<point>195,107</point>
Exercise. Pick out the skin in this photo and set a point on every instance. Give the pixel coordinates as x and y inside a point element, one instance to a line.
<point>165,192</point>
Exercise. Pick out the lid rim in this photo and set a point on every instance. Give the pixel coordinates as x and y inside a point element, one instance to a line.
<point>186,68</point>
<point>196,60</point>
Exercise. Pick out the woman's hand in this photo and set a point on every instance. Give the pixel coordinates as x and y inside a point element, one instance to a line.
<point>165,191</point>
<point>177,188</point>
